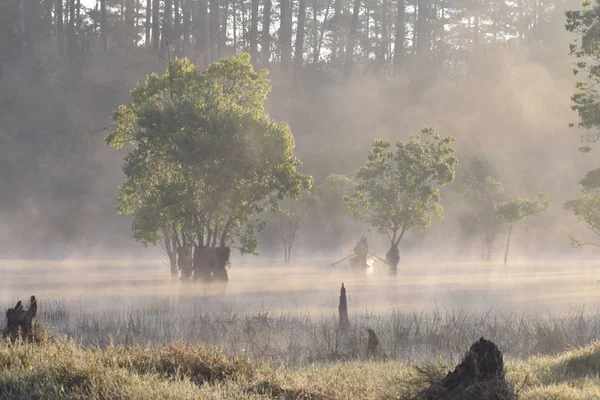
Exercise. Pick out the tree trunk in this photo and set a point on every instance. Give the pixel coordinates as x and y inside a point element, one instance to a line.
<point>384,33</point>
<point>254,32</point>
<point>177,26</point>
<point>315,36</point>
<point>223,29</point>
<point>299,51</point>
<point>421,39</point>
<point>508,243</point>
<point>285,34</point>
<point>266,34</point>
<point>202,33</point>
<point>210,264</point>
<point>167,31</point>
<point>349,59</point>
<point>335,31</point>
<point>155,24</point>
<point>148,23</point>
<point>186,7</point>
<point>60,31</point>
<point>392,258</point>
<point>399,51</point>
<point>214,30</point>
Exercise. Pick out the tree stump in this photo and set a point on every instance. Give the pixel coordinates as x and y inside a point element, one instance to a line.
<point>343,311</point>
<point>210,264</point>
<point>479,376</point>
<point>372,344</point>
<point>20,323</point>
<point>392,258</point>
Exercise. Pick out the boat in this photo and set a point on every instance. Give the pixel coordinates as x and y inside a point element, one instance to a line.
<point>364,260</point>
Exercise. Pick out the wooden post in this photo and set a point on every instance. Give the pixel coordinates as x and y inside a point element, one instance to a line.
<point>343,311</point>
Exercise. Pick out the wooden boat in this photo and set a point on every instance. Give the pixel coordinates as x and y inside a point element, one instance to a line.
<point>362,260</point>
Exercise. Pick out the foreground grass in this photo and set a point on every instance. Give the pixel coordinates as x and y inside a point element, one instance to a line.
<point>65,369</point>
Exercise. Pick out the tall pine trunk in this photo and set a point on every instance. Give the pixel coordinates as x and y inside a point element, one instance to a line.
<point>155,24</point>
<point>60,34</point>
<point>335,31</point>
<point>399,50</point>
<point>167,31</point>
<point>299,50</point>
<point>254,31</point>
<point>214,30</point>
<point>202,32</point>
<point>285,34</point>
<point>349,59</point>
<point>186,25</point>
<point>148,23</point>
<point>266,34</point>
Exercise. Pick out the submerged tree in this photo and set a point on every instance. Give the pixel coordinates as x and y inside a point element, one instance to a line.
<point>587,206</point>
<point>399,191</point>
<point>482,191</point>
<point>519,208</point>
<point>204,159</point>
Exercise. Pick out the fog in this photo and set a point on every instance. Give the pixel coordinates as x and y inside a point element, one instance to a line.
<point>508,103</point>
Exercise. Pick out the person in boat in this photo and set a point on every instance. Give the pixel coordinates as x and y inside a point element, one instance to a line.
<point>362,247</point>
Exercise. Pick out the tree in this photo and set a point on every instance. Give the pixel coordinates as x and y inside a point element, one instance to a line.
<point>482,191</point>
<point>519,208</point>
<point>204,158</point>
<point>332,206</point>
<point>288,217</point>
<point>587,207</point>
<point>586,100</point>
<point>400,191</point>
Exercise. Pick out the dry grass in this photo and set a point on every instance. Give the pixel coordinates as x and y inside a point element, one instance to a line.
<point>291,340</point>
<point>64,369</point>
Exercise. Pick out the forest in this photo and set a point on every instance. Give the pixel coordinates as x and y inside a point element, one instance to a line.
<point>496,75</point>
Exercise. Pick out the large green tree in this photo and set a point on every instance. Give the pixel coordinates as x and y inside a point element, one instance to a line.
<point>517,209</point>
<point>204,158</point>
<point>399,190</point>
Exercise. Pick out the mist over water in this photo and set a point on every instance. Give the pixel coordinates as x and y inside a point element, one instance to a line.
<point>310,287</point>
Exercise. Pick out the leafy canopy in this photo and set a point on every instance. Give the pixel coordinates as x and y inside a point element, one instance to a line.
<point>204,157</point>
<point>519,208</point>
<point>399,191</point>
<point>586,49</point>
<point>587,206</point>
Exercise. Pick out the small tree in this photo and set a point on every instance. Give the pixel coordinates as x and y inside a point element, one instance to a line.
<point>399,191</point>
<point>482,191</point>
<point>204,159</point>
<point>587,206</point>
<point>288,217</point>
<point>519,208</point>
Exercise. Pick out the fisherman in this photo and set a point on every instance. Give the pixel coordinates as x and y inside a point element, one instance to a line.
<point>362,247</point>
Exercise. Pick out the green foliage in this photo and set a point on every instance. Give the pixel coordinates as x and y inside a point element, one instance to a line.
<point>399,191</point>
<point>482,191</point>
<point>518,208</point>
<point>204,157</point>
<point>586,49</point>
<point>332,204</point>
<point>587,206</point>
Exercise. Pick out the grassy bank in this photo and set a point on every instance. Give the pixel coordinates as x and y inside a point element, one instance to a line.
<point>65,369</point>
